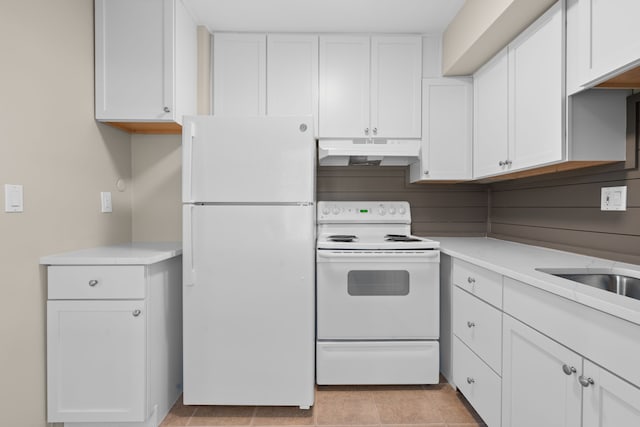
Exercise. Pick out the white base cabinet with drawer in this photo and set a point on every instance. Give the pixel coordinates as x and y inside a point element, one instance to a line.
<point>114,343</point>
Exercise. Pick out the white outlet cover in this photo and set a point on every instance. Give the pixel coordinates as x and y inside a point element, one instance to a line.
<point>105,202</point>
<point>613,198</point>
<point>13,198</point>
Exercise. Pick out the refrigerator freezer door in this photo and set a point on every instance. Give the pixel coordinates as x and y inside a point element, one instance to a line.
<point>248,159</point>
<point>249,313</point>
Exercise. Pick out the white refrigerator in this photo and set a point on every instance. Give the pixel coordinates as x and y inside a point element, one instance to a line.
<point>248,260</point>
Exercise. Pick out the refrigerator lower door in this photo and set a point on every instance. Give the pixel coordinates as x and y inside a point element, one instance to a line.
<point>249,305</point>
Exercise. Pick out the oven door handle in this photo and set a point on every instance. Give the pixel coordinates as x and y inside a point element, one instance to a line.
<point>426,254</point>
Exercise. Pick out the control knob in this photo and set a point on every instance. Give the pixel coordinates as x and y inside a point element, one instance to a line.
<point>402,210</point>
<point>382,211</point>
<point>392,210</point>
<point>326,210</point>
<point>336,210</point>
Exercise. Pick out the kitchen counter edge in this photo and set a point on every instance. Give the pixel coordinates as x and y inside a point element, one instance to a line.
<point>519,261</point>
<point>136,253</point>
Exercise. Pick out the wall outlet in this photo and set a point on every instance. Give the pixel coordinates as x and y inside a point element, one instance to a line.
<point>613,198</point>
<point>105,201</point>
<point>13,198</point>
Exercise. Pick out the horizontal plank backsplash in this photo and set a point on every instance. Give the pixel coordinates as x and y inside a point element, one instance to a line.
<point>562,211</point>
<point>436,209</point>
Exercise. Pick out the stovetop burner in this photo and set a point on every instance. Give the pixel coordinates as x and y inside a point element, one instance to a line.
<point>400,238</point>
<point>342,238</point>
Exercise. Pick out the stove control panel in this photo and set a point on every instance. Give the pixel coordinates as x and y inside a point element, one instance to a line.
<point>364,212</point>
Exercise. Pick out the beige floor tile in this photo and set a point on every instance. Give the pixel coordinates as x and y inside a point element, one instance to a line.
<point>222,416</point>
<point>179,415</point>
<point>346,409</point>
<point>408,410</point>
<point>459,414</point>
<point>283,416</point>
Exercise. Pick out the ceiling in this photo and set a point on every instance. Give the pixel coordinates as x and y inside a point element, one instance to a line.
<point>319,16</point>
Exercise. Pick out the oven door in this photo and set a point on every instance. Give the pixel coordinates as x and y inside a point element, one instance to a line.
<point>378,295</point>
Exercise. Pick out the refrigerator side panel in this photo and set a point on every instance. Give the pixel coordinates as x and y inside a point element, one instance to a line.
<point>250,159</point>
<point>249,324</point>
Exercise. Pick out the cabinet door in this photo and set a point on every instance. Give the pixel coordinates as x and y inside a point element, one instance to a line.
<point>396,72</point>
<point>96,368</point>
<point>490,127</point>
<point>344,87</point>
<point>609,401</point>
<point>446,129</point>
<point>610,37</point>
<point>292,76</point>
<point>239,74</point>
<point>536,391</point>
<point>134,60</point>
<point>536,93</point>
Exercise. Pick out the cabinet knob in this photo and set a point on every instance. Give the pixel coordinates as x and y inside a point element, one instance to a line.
<point>508,162</point>
<point>470,380</point>
<point>366,131</point>
<point>375,131</point>
<point>166,109</point>
<point>568,369</point>
<point>501,163</point>
<point>136,313</point>
<point>426,172</point>
<point>93,282</point>
<point>471,279</point>
<point>584,381</point>
<point>471,324</point>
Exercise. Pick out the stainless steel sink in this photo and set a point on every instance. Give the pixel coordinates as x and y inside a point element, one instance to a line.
<point>609,281</point>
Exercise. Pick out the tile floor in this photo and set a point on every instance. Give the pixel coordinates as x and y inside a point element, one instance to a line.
<point>421,406</point>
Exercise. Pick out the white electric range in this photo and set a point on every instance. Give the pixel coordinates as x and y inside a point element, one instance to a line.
<point>377,296</point>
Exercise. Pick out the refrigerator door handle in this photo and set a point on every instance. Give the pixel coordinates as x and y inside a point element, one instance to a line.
<point>187,184</point>
<point>189,272</point>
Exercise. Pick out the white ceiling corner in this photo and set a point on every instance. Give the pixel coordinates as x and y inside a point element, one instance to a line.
<point>330,16</point>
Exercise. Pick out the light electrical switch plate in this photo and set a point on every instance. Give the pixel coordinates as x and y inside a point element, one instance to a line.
<point>105,202</point>
<point>613,198</point>
<point>13,198</point>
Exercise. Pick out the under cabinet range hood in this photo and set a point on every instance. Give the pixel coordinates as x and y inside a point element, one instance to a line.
<point>369,152</point>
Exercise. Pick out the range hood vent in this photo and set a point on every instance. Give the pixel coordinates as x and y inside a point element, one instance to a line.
<point>369,152</point>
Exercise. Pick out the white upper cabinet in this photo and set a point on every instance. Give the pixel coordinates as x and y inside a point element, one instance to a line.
<point>239,74</point>
<point>292,76</point>
<point>396,73</point>
<point>491,112</point>
<point>145,61</point>
<point>609,38</point>
<point>370,86</point>
<point>519,101</point>
<point>536,93</point>
<point>344,87</point>
<point>446,130</point>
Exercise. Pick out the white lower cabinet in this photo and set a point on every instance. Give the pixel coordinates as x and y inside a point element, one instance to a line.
<point>539,379</point>
<point>477,382</point>
<point>609,401</point>
<point>114,343</point>
<point>524,357</point>
<point>96,353</point>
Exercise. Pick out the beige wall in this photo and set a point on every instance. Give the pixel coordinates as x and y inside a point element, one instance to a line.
<point>50,143</point>
<point>482,28</point>
<point>157,192</point>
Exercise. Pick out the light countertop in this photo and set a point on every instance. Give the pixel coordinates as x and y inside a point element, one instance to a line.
<point>138,253</point>
<point>520,261</point>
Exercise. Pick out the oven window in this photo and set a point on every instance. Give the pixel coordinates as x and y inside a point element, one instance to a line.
<point>378,282</point>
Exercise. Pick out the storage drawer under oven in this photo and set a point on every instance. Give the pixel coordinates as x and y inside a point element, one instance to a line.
<point>367,295</point>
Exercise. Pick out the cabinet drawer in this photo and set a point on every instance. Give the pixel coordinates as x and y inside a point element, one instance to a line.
<point>483,283</point>
<point>479,384</point>
<point>96,282</point>
<point>479,326</point>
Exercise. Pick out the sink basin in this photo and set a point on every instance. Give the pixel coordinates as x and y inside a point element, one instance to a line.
<point>609,281</point>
